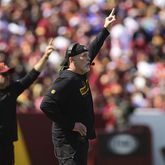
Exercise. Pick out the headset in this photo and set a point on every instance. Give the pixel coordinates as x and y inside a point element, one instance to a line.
<point>68,54</point>
<point>70,49</point>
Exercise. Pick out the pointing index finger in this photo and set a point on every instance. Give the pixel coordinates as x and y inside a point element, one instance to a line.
<point>51,41</point>
<point>112,12</point>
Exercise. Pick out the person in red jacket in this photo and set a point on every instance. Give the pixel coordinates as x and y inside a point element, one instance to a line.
<point>69,103</point>
<point>9,91</point>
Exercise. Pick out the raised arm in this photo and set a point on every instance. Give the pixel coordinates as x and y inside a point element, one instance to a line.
<point>41,63</point>
<point>100,38</point>
<point>30,77</point>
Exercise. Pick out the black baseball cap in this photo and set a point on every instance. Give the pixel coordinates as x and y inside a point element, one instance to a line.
<point>73,50</point>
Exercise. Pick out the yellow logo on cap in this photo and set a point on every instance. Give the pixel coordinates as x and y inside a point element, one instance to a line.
<point>53,91</point>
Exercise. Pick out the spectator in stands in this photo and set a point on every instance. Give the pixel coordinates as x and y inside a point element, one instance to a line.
<point>9,91</point>
<point>69,103</point>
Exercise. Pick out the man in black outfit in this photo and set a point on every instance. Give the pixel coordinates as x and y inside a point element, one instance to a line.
<point>69,103</point>
<point>9,91</point>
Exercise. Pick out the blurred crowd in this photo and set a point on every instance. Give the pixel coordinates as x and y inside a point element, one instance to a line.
<point>129,72</point>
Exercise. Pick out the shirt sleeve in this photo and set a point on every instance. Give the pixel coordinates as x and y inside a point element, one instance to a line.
<point>26,81</point>
<point>52,101</point>
<point>97,43</point>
